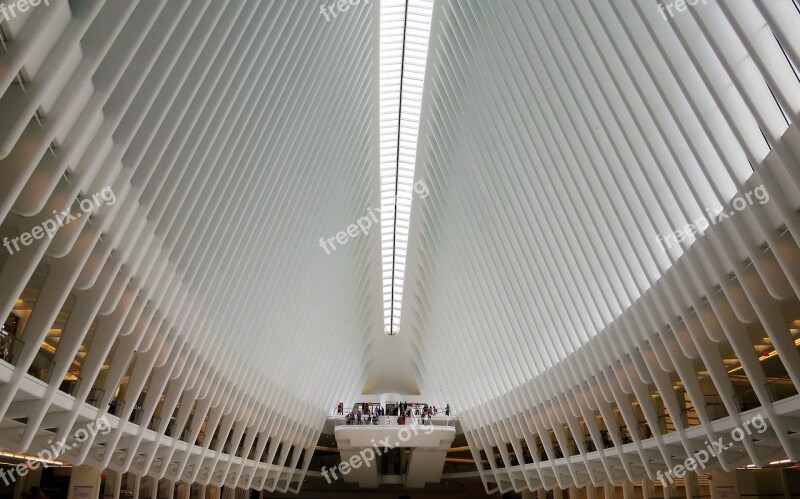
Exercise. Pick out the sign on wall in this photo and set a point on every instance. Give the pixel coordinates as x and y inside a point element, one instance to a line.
<point>82,492</point>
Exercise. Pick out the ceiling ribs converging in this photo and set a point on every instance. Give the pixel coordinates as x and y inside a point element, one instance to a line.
<point>405,27</point>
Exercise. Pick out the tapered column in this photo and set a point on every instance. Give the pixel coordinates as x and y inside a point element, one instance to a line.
<point>183,490</point>
<point>692,486</point>
<point>670,490</point>
<point>724,485</point>
<point>648,489</point>
<point>84,483</point>
<point>117,481</point>
<point>136,481</point>
<point>627,490</point>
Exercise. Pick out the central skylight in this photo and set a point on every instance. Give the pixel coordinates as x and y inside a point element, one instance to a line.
<point>405,28</point>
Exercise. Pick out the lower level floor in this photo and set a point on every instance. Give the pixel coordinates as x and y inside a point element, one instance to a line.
<point>25,479</point>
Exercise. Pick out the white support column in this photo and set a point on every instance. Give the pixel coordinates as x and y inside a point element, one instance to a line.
<point>82,477</point>
<point>591,492</point>
<point>137,480</point>
<point>648,489</point>
<point>785,484</point>
<point>152,491</point>
<point>627,490</point>
<point>670,490</point>
<point>170,489</point>
<point>117,477</point>
<point>692,486</point>
<point>184,490</point>
<point>608,491</point>
<point>724,485</point>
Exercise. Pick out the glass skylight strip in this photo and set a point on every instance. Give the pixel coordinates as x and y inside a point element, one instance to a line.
<point>405,29</point>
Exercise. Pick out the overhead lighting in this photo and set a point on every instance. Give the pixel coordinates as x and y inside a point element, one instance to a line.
<point>764,355</point>
<point>25,457</point>
<point>405,30</point>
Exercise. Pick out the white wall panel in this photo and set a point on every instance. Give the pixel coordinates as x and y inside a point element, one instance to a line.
<point>234,135</point>
<point>559,140</point>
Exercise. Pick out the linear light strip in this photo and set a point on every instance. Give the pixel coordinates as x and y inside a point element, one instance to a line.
<point>405,28</point>
<point>397,171</point>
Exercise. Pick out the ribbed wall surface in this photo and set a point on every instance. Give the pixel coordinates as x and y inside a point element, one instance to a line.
<point>558,140</point>
<point>233,135</point>
<point>214,311</point>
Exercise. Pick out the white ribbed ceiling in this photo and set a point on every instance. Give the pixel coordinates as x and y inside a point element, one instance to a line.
<point>248,141</point>
<point>235,135</point>
<point>558,140</point>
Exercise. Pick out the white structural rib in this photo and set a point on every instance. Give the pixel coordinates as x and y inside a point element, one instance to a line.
<point>209,306</point>
<point>404,32</point>
<point>237,138</point>
<point>560,140</point>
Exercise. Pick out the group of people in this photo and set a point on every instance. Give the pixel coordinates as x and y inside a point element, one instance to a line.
<point>424,410</point>
<point>367,413</point>
<point>358,419</point>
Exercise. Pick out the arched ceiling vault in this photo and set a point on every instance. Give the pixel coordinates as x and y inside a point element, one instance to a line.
<point>256,216</point>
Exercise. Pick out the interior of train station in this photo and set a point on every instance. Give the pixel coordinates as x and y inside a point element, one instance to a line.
<point>400,249</point>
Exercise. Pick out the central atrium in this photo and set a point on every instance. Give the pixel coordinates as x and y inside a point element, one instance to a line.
<point>327,249</point>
